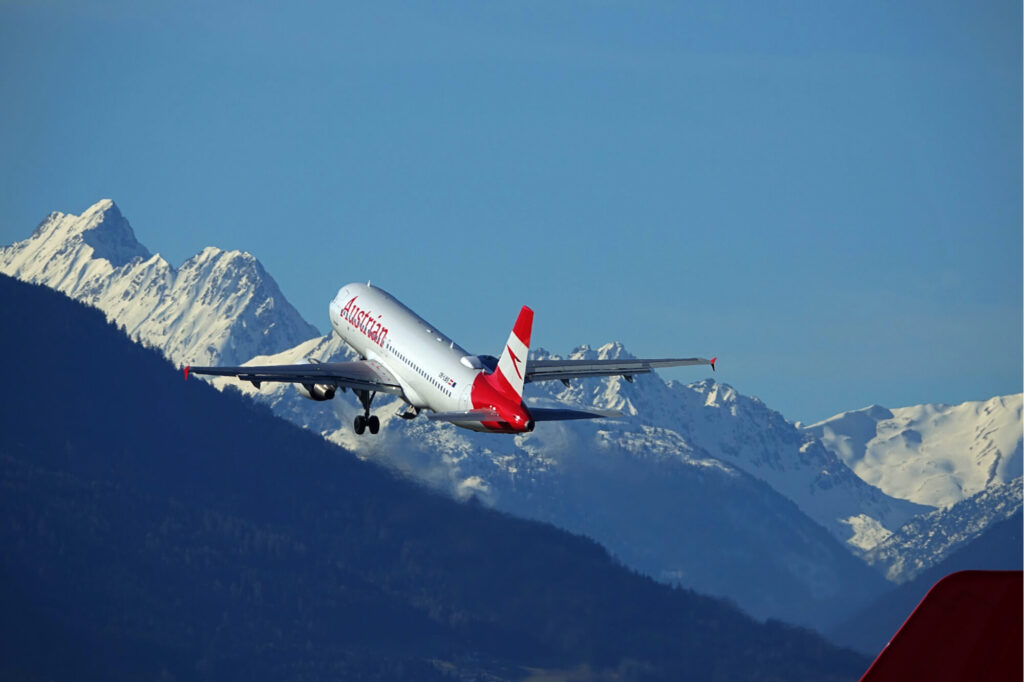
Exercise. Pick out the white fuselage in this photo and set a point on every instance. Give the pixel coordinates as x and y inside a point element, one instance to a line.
<point>427,364</point>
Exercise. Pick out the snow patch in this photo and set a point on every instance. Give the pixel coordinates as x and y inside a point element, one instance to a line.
<point>218,308</point>
<point>867,532</point>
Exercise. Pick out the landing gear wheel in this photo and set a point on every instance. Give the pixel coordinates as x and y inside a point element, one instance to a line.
<point>364,420</point>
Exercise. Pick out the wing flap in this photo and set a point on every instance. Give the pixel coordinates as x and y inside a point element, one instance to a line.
<point>367,375</point>
<point>538,414</point>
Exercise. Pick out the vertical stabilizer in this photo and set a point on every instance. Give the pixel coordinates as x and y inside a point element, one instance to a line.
<point>512,364</point>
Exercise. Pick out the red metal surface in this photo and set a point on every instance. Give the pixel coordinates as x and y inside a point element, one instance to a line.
<point>968,627</point>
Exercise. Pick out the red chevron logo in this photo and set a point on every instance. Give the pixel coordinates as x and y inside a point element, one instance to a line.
<point>515,361</point>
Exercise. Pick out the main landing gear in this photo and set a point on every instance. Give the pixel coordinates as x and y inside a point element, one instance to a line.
<point>371,422</point>
<point>366,420</point>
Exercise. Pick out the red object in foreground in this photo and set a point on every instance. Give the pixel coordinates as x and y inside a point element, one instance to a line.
<point>968,627</point>
<point>187,367</point>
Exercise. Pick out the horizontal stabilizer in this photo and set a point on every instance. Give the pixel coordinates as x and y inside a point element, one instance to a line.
<point>546,370</point>
<point>543,414</point>
<point>538,414</point>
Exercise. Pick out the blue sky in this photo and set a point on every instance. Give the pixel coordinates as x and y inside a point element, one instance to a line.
<point>825,195</point>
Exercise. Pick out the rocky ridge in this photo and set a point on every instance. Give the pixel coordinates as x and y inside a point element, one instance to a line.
<point>218,307</point>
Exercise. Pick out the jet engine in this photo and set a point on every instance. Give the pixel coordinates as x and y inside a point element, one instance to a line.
<point>318,392</point>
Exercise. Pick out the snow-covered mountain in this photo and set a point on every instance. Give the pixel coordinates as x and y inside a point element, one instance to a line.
<point>743,431</point>
<point>218,307</point>
<point>964,459</point>
<point>655,497</point>
<point>928,539</point>
<point>936,455</point>
<point>648,487</point>
<point>698,485</point>
<point>713,417</point>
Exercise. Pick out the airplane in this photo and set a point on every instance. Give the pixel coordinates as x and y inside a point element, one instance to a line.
<point>402,354</point>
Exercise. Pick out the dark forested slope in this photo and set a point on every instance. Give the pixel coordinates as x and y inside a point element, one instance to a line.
<point>152,528</point>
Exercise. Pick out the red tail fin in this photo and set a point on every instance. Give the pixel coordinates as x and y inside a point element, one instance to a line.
<point>512,363</point>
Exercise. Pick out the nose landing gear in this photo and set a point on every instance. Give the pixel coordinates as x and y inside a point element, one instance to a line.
<point>411,413</point>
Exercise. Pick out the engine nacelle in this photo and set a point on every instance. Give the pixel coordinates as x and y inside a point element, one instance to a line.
<point>318,392</point>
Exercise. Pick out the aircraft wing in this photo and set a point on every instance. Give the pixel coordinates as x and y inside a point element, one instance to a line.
<point>546,370</point>
<point>360,375</point>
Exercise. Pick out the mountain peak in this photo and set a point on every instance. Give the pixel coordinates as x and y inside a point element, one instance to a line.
<point>609,351</point>
<point>108,232</point>
<point>101,227</point>
<point>220,306</point>
<point>614,351</point>
<point>227,258</point>
<point>102,208</point>
<point>103,214</point>
<point>71,223</point>
<point>716,394</point>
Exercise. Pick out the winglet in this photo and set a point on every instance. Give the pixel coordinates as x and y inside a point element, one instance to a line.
<point>713,361</point>
<point>187,367</point>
